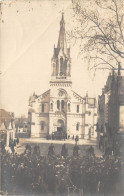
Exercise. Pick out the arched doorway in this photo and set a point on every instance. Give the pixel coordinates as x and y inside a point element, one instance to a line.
<point>60,125</point>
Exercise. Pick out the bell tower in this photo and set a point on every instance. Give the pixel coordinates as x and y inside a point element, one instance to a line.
<point>61,61</point>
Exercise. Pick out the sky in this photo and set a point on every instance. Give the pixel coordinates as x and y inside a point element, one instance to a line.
<point>29,30</point>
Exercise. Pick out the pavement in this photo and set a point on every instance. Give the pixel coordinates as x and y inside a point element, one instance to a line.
<point>44,145</point>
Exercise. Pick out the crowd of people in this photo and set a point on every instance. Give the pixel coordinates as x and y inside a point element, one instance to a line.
<point>33,174</point>
<point>61,136</point>
<point>12,145</point>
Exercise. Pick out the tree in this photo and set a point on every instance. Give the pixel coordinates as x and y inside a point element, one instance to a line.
<point>99,27</point>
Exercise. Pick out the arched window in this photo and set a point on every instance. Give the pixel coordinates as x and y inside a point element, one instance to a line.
<point>58,104</point>
<point>42,125</point>
<point>42,107</point>
<point>77,108</point>
<point>68,107</point>
<point>51,105</point>
<point>77,127</point>
<point>62,104</point>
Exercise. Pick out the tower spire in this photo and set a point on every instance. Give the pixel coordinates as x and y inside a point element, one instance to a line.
<point>61,61</point>
<point>62,35</point>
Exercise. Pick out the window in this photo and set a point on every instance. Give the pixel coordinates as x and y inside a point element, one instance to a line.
<point>62,104</point>
<point>51,106</point>
<point>42,107</point>
<point>68,107</point>
<point>58,104</point>
<point>42,125</point>
<point>61,65</point>
<point>77,127</point>
<point>77,108</point>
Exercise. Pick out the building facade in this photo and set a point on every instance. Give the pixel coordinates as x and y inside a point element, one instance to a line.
<point>7,127</point>
<point>111,112</point>
<point>60,109</point>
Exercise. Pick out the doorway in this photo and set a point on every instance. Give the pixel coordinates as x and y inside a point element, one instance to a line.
<point>60,129</point>
<point>60,125</point>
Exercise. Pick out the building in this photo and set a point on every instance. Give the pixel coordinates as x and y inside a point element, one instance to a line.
<point>111,112</point>
<point>121,103</point>
<point>60,109</point>
<point>7,127</point>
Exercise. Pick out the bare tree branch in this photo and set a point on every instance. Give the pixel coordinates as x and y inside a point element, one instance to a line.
<point>102,35</point>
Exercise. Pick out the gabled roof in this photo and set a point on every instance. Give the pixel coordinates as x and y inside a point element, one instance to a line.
<point>6,119</point>
<point>2,127</point>
<point>44,94</point>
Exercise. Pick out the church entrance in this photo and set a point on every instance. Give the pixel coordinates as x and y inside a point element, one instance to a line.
<point>60,129</point>
<point>60,126</point>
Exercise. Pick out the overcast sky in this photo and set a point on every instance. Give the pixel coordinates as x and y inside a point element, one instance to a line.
<point>29,30</point>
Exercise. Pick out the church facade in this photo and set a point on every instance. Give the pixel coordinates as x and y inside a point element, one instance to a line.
<point>60,109</point>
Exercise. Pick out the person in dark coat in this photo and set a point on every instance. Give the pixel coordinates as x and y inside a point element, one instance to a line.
<point>76,139</point>
<point>12,147</point>
<point>17,140</point>
<point>64,137</point>
<point>91,151</point>
<point>64,151</point>
<point>76,150</point>
<point>37,150</point>
<point>14,142</point>
<point>51,150</point>
<point>28,148</point>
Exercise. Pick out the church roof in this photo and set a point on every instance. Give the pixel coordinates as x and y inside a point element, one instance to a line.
<point>78,96</point>
<point>45,93</point>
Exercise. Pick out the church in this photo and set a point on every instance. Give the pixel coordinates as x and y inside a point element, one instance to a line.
<point>60,109</point>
